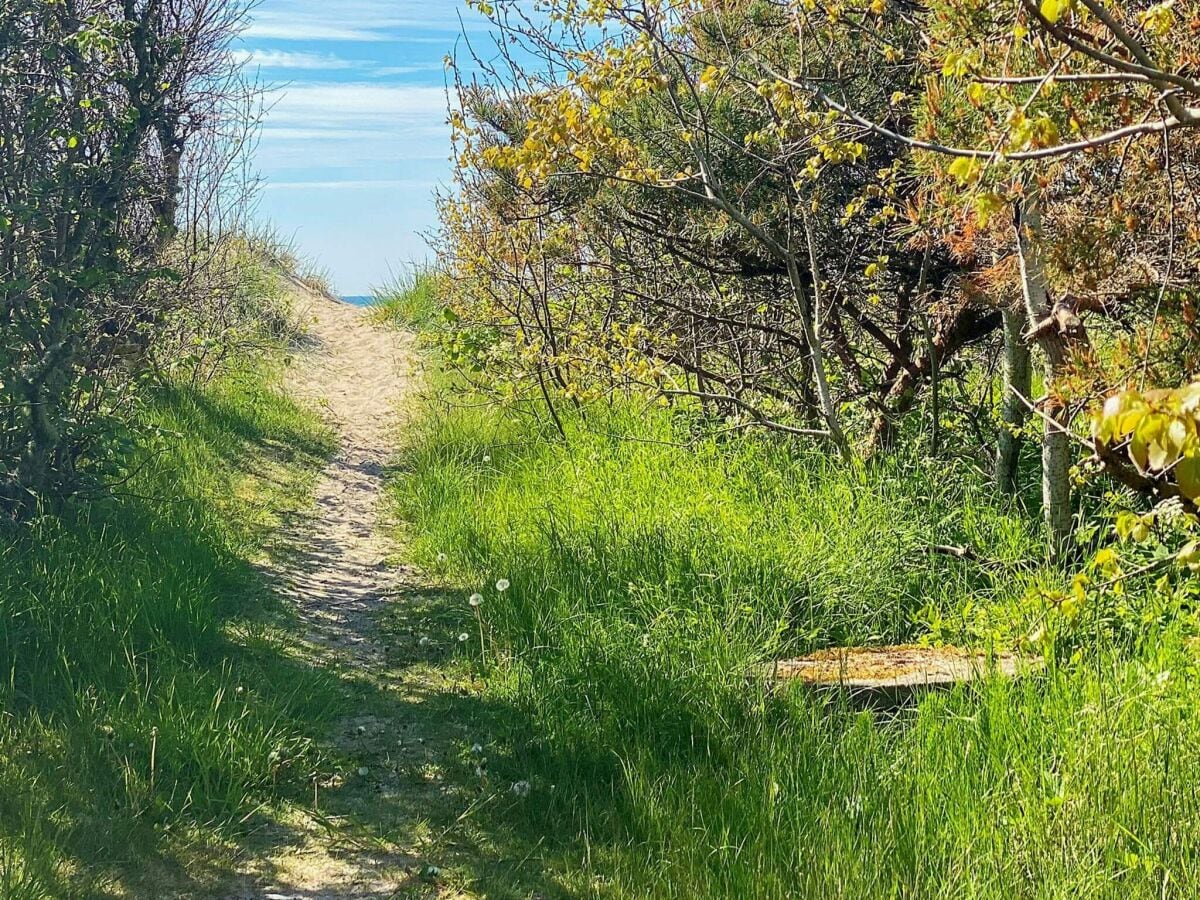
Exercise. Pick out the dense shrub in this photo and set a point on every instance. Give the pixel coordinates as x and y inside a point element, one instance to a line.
<point>102,105</point>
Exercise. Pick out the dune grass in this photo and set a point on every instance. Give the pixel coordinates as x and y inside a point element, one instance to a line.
<point>411,300</point>
<point>146,706</point>
<point>647,578</point>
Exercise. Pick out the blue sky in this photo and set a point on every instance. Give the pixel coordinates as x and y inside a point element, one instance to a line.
<point>355,141</point>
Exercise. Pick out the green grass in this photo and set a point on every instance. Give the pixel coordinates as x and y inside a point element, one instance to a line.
<point>411,301</point>
<point>146,706</point>
<point>648,579</point>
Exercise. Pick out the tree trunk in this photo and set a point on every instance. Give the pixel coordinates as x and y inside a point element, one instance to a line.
<point>1056,447</point>
<point>817,355</point>
<point>1014,411</point>
<point>898,402</point>
<point>935,403</point>
<point>809,313</point>
<point>1056,483</point>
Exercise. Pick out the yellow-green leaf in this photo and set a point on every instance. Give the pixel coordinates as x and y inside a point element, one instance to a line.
<point>1053,10</point>
<point>987,205</point>
<point>1187,476</point>
<point>965,169</point>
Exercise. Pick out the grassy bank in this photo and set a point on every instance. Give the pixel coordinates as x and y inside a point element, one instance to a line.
<point>647,574</point>
<point>146,704</point>
<point>410,300</point>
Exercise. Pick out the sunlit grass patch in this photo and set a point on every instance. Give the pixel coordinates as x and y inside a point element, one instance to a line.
<point>649,573</point>
<point>410,300</point>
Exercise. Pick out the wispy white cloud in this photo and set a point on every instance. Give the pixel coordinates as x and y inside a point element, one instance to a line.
<point>362,127</point>
<point>350,105</point>
<point>359,20</point>
<point>280,29</point>
<point>284,59</point>
<point>390,71</point>
<point>356,142</point>
<point>305,61</point>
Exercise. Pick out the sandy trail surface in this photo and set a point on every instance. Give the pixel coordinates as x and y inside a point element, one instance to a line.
<point>359,374</point>
<point>335,572</point>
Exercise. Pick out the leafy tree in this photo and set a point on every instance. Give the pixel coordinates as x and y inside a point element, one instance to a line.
<point>1079,117</point>
<point>804,215</point>
<point>646,204</point>
<point>99,100</point>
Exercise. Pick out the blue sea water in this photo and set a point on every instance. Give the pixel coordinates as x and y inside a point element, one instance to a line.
<point>358,300</point>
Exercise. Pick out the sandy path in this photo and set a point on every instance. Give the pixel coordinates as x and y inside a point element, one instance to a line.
<point>358,374</point>
<point>336,575</point>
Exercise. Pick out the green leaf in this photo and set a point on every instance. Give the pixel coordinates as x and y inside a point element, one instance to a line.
<point>987,205</point>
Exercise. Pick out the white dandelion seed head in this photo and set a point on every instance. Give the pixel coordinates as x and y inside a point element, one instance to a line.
<point>487,458</point>
<point>424,642</point>
<point>502,585</point>
<point>441,557</point>
<point>476,599</point>
<point>463,638</point>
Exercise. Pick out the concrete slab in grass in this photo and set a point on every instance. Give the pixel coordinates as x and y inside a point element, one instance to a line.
<point>890,674</point>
